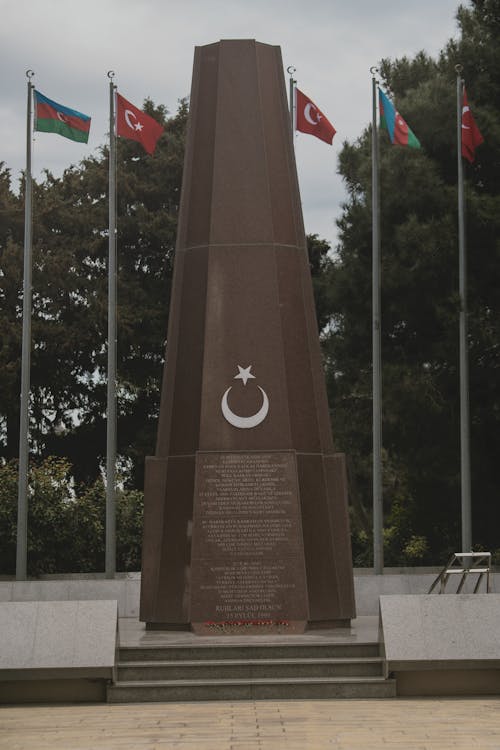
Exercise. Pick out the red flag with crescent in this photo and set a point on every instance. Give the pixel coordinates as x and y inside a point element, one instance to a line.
<point>310,119</point>
<point>135,124</point>
<point>471,137</point>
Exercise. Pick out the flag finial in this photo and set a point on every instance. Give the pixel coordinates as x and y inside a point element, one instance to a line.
<point>111,74</point>
<point>459,68</point>
<point>29,74</point>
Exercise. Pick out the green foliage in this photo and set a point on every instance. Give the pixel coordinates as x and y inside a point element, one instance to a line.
<point>129,513</point>
<point>69,322</point>
<point>420,307</point>
<point>8,517</point>
<point>421,471</point>
<point>320,264</point>
<point>66,524</point>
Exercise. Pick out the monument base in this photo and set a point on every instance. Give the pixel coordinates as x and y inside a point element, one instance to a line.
<point>171,627</point>
<point>263,627</point>
<point>247,557</point>
<point>248,627</point>
<point>250,551</point>
<point>328,624</point>
<point>244,628</point>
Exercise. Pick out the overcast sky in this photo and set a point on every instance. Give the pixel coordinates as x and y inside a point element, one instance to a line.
<point>149,44</point>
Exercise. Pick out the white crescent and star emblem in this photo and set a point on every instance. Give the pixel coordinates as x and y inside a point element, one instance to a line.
<point>62,117</point>
<point>132,125</point>
<point>243,423</point>
<point>309,109</point>
<point>464,110</point>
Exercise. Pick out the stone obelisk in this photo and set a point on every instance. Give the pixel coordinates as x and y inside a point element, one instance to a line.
<point>245,518</point>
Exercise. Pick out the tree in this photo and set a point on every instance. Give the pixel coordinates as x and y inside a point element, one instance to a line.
<point>66,522</point>
<point>11,251</point>
<point>68,371</point>
<point>420,301</point>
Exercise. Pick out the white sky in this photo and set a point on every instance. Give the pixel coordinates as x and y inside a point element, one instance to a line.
<point>71,44</point>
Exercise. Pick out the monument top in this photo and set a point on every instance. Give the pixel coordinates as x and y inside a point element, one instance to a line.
<point>244,190</point>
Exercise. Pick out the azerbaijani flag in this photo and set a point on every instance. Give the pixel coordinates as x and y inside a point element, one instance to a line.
<point>51,117</point>
<point>390,119</point>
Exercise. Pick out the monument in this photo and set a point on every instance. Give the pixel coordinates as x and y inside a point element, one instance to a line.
<point>245,518</point>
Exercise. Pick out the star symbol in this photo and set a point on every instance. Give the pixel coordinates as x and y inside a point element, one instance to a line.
<point>244,374</point>
<point>138,126</point>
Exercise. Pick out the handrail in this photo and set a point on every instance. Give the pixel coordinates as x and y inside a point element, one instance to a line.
<point>464,563</point>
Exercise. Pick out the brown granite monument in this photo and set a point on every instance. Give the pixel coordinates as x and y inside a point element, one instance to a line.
<point>245,519</point>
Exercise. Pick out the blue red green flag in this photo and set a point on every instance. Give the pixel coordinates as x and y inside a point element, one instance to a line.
<point>390,119</point>
<point>51,117</point>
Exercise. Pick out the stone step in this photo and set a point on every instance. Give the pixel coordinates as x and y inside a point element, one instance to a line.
<point>251,689</point>
<point>248,668</point>
<point>248,651</point>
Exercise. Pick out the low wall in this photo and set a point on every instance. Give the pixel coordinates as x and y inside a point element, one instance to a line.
<point>57,650</point>
<point>442,645</point>
<point>369,587</point>
<point>125,588</point>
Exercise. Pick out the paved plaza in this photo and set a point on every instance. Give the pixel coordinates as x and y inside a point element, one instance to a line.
<point>398,724</point>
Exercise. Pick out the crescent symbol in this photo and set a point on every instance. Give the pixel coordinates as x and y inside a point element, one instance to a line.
<point>307,113</point>
<point>245,422</point>
<point>61,117</point>
<point>128,114</point>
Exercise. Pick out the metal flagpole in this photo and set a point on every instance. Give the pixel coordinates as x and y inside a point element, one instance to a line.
<point>22,500</point>
<point>464,359</point>
<point>110,562</point>
<point>291,70</point>
<point>378,511</point>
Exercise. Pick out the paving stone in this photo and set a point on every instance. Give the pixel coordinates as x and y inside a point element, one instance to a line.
<point>402,724</point>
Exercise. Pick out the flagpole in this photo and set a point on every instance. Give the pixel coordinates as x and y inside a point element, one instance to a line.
<point>378,512</point>
<point>22,500</point>
<point>110,561</point>
<point>291,70</point>
<point>464,359</point>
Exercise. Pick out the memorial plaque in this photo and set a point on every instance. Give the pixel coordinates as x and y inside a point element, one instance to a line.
<point>247,552</point>
<point>245,500</point>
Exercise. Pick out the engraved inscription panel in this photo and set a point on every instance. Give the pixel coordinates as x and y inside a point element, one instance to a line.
<point>247,555</point>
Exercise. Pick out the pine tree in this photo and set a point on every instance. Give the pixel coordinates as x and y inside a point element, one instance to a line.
<point>420,302</point>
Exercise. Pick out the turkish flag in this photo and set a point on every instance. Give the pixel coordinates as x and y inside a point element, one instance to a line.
<point>310,119</point>
<point>135,124</point>
<point>471,137</point>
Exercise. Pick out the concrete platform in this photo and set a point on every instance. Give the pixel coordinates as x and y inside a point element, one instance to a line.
<point>62,650</point>
<point>442,645</point>
<point>65,650</point>
<point>181,666</point>
<point>133,634</point>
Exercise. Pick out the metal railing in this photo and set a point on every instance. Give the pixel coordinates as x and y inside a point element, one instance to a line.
<point>465,564</point>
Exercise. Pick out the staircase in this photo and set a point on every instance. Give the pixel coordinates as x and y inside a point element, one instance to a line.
<point>250,671</point>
